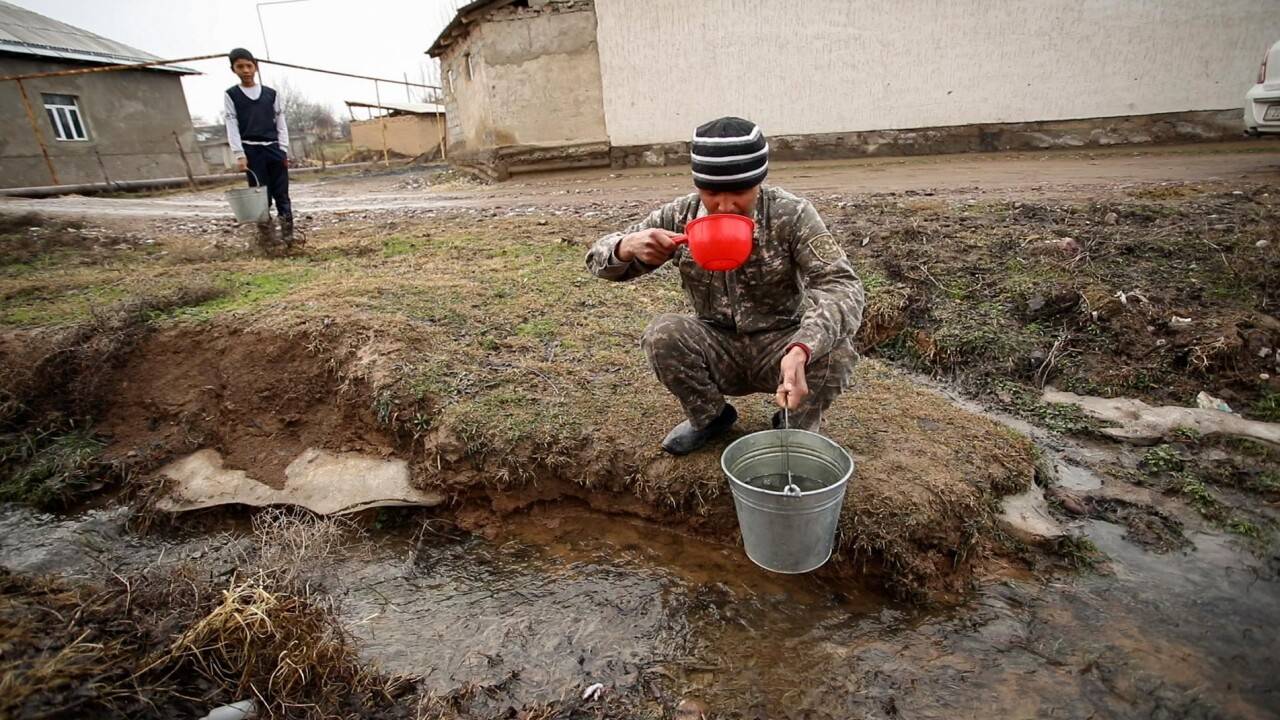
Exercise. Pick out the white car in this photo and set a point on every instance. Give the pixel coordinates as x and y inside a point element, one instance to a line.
<point>1262,102</point>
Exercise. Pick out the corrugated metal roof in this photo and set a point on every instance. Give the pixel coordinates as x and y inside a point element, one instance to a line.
<point>412,108</point>
<point>24,32</point>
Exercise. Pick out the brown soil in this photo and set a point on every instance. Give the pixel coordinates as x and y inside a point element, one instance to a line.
<point>258,398</point>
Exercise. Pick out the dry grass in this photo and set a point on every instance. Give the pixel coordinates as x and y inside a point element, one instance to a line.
<point>170,641</point>
<point>286,652</point>
<point>294,547</point>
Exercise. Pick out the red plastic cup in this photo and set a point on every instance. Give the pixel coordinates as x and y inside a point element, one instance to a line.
<point>719,242</point>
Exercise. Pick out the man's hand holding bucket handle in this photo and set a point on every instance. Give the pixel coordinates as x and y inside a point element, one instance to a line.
<point>793,389</point>
<point>651,247</point>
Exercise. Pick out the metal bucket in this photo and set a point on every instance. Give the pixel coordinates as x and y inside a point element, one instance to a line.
<point>250,204</point>
<point>787,533</point>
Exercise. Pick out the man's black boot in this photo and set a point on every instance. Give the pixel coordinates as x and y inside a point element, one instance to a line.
<point>683,439</point>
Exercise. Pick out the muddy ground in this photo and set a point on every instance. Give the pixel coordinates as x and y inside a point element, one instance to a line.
<point>452,326</point>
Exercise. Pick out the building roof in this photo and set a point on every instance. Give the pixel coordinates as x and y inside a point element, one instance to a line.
<point>409,108</point>
<point>460,25</point>
<point>23,32</point>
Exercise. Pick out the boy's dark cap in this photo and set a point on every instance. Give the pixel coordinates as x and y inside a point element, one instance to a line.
<point>241,54</point>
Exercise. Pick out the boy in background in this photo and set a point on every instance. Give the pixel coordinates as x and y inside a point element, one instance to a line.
<point>258,136</point>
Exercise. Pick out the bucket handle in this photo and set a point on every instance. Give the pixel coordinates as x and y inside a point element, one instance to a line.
<point>791,490</point>
<point>256,181</point>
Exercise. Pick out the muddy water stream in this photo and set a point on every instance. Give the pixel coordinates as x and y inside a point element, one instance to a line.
<point>564,597</point>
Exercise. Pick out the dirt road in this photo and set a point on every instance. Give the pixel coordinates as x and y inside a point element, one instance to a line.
<point>1045,174</point>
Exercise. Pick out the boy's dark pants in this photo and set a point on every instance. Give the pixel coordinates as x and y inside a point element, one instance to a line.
<point>267,162</point>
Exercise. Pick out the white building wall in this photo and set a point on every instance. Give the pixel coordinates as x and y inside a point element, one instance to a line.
<point>816,66</point>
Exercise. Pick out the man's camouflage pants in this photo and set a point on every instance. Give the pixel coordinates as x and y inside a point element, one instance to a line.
<point>700,364</point>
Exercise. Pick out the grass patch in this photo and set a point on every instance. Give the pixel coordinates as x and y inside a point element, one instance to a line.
<point>1079,552</point>
<point>1198,494</point>
<point>1267,407</point>
<point>1245,529</point>
<point>984,333</point>
<point>1161,459</point>
<point>60,309</point>
<point>243,291</point>
<point>398,245</point>
<point>1268,482</point>
<point>1024,401</point>
<point>542,329</point>
<point>49,469</point>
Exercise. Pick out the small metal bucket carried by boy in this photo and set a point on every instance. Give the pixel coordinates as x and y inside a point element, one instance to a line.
<point>250,204</point>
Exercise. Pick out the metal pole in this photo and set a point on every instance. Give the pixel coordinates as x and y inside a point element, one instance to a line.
<point>343,74</point>
<point>382,122</point>
<point>35,129</point>
<point>154,63</point>
<point>262,29</point>
<point>190,176</point>
<point>101,166</point>
<point>407,96</point>
<point>266,49</point>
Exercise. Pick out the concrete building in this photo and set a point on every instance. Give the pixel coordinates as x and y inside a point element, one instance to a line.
<point>111,125</point>
<point>214,147</point>
<point>522,85</point>
<point>546,83</point>
<point>408,129</point>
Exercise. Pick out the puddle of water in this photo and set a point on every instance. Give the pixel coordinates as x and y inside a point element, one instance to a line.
<point>62,544</point>
<point>562,597</point>
<point>568,597</point>
<point>1076,477</point>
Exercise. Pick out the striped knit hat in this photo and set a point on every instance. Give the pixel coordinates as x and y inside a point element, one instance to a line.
<point>729,154</point>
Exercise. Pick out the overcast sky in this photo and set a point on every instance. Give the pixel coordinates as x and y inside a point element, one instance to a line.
<point>384,38</point>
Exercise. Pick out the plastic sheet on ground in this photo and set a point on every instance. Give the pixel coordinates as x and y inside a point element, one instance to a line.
<point>323,482</point>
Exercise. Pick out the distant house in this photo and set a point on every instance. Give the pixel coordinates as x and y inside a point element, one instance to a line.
<point>410,129</point>
<point>538,84</point>
<point>114,126</point>
<point>214,147</point>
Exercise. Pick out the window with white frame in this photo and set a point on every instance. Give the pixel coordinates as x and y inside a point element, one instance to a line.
<point>64,116</point>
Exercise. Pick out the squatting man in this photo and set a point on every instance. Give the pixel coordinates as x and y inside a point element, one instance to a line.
<point>782,323</point>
